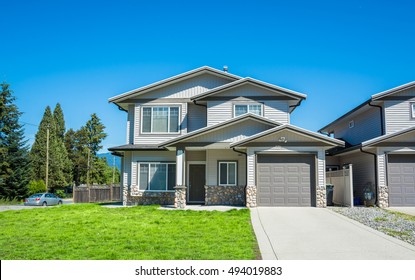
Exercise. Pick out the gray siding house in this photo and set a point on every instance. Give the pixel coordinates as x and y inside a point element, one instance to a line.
<point>380,143</point>
<point>210,137</point>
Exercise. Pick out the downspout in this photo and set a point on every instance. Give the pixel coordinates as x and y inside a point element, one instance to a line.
<point>246,162</point>
<point>296,105</point>
<point>382,131</point>
<point>376,171</point>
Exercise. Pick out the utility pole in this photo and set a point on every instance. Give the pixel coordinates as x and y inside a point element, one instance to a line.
<point>47,159</point>
<point>88,167</point>
<point>113,169</point>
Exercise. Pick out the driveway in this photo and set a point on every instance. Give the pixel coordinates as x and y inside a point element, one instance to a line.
<point>307,233</point>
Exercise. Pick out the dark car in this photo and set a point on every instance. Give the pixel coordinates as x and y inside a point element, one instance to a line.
<point>43,199</point>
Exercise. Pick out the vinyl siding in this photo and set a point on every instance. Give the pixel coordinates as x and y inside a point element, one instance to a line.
<point>219,111</point>
<point>398,115</point>
<point>363,171</point>
<point>367,125</point>
<point>233,133</point>
<point>154,139</point>
<point>212,158</point>
<point>188,88</point>
<point>196,118</point>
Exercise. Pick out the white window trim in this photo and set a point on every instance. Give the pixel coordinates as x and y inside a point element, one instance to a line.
<point>168,121</point>
<point>247,104</point>
<point>413,110</point>
<point>148,182</point>
<point>227,169</point>
<point>351,124</point>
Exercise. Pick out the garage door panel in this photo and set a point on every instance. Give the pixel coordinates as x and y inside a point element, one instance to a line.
<point>291,178</point>
<point>401,180</point>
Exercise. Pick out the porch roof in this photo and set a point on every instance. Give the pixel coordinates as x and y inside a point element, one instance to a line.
<point>404,137</point>
<point>220,126</point>
<point>260,139</point>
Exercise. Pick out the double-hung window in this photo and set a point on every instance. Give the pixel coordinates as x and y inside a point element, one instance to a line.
<point>157,176</point>
<point>160,119</point>
<point>227,173</point>
<point>241,109</point>
<point>413,110</point>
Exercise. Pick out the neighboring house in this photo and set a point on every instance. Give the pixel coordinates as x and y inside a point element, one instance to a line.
<point>380,143</point>
<point>207,136</point>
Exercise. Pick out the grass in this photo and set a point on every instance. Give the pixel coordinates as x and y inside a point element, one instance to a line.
<point>395,233</point>
<point>402,215</point>
<point>93,232</point>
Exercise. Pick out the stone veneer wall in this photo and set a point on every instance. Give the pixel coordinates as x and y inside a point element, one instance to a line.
<point>225,195</point>
<point>321,196</point>
<point>137,197</point>
<point>251,192</point>
<point>383,197</point>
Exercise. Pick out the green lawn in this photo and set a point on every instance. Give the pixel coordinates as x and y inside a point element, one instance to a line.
<point>86,232</point>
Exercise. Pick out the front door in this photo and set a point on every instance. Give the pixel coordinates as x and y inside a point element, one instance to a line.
<point>197,183</point>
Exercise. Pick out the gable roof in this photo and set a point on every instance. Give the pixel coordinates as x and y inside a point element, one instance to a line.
<point>365,105</point>
<point>217,126</point>
<point>296,129</point>
<point>172,80</point>
<point>248,80</point>
<point>386,137</point>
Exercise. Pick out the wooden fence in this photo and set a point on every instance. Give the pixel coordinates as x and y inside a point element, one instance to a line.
<point>85,194</point>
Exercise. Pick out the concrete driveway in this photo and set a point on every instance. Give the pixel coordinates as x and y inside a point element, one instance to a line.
<point>309,233</point>
<point>405,210</point>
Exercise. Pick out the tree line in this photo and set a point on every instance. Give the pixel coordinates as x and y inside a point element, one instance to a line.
<point>58,158</point>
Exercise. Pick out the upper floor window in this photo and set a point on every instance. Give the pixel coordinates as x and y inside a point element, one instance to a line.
<point>413,110</point>
<point>241,109</point>
<point>160,120</point>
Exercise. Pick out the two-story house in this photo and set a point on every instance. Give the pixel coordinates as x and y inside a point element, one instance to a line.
<point>380,143</point>
<point>211,137</point>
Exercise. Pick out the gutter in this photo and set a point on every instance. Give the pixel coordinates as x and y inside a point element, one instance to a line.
<point>194,101</point>
<point>246,161</point>
<point>376,172</point>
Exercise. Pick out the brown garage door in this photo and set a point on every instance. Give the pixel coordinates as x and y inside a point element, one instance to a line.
<point>401,177</point>
<point>286,180</point>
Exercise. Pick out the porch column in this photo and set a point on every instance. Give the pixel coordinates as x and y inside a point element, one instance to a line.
<point>180,189</point>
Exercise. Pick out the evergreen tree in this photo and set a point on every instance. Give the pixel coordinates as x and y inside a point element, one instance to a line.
<point>62,166</point>
<point>13,149</point>
<point>59,165</point>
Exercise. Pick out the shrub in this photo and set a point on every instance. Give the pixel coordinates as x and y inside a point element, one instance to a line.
<point>36,187</point>
<point>60,193</point>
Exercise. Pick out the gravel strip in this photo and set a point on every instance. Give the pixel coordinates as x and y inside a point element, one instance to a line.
<point>381,220</point>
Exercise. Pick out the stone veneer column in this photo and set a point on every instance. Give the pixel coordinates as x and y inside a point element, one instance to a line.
<point>125,195</point>
<point>321,197</point>
<point>251,196</point>
<point>180,197</point>
<point>383,197</point>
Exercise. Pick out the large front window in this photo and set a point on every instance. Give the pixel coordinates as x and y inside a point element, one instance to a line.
<point>241,109</point>
<point>157,176</point>
<point>227,173</point>
<point>160,120</point>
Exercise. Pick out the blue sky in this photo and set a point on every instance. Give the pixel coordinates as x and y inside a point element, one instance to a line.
<point>80,53</point>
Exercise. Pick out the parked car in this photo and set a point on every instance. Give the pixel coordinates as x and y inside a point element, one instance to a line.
<point>43,199</point>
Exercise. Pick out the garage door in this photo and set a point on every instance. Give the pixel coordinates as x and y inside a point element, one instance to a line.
<point>401,177</point>
<point>285,180</point>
